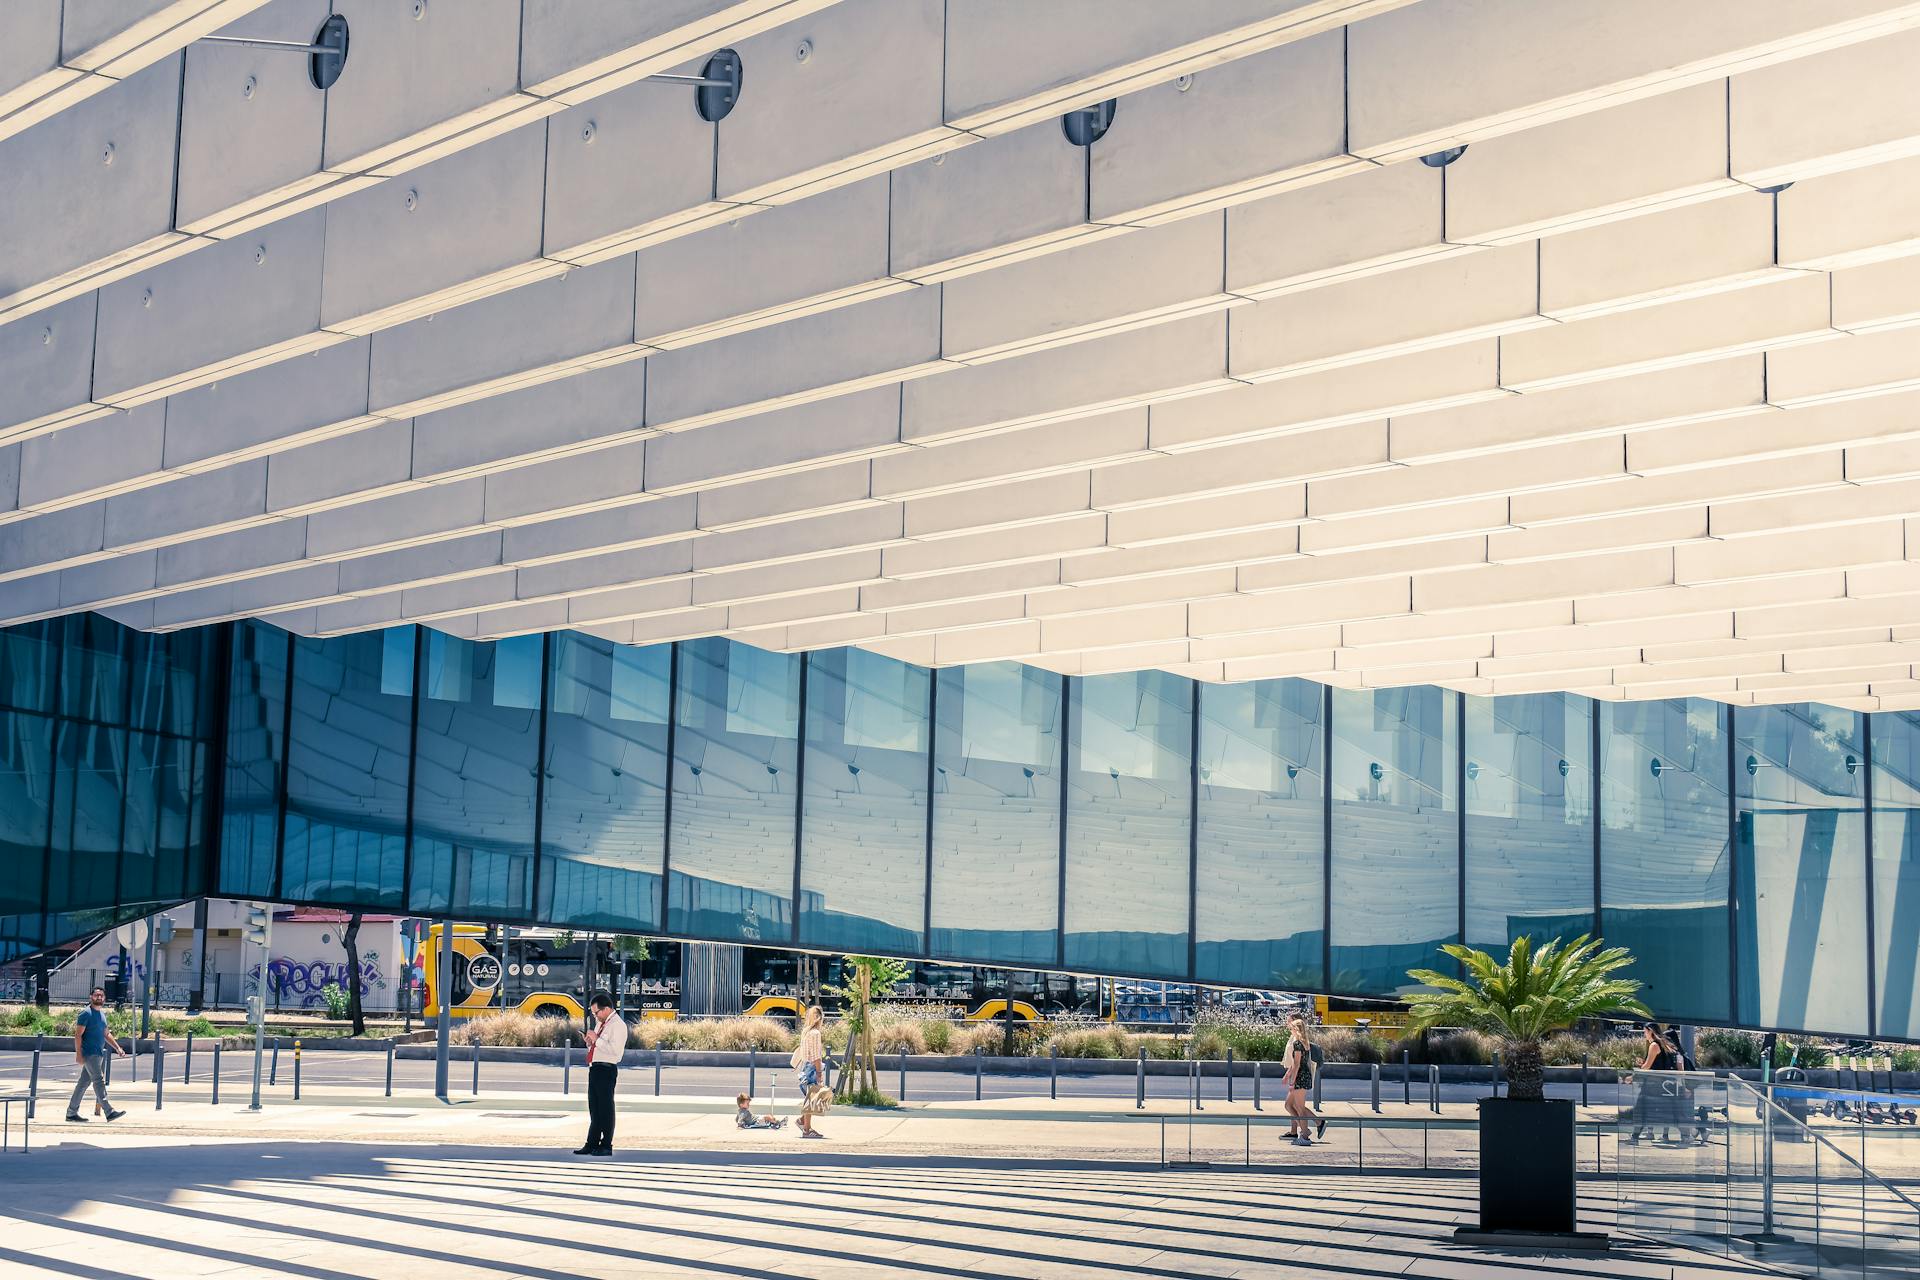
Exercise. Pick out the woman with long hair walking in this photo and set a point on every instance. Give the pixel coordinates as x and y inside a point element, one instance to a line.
<point>1298,1058</point>
<point>810,1060</point>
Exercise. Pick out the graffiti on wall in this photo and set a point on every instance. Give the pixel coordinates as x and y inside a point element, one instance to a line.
<point>302,981</point>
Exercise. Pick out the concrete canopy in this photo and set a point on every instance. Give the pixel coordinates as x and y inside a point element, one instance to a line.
<point>496,336</point>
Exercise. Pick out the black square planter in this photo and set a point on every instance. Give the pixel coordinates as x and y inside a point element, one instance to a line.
<point>1526,1166</point>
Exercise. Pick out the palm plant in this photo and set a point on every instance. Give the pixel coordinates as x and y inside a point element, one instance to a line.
<point>1524,1000</point>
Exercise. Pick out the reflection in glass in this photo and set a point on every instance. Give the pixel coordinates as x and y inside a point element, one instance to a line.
<point>996,814</point>
<point>256,725</point>
<point>473,776</point>
<point>93,669</point>
<point>139,826</point>
<point>26,812</point>
<point>736,751</point>
<point>1800,786</point>
<point>1896,871</point>
<point>29,661</point>
<point>347,769</point>
<point>603,833</point>
<point>1129,801</point>
<point>1259,907</point>
<point>863,853</point>
<point>1663,850</point>
<point>1396,827</point>
<point>89,785</point>
<point>1529,819</point>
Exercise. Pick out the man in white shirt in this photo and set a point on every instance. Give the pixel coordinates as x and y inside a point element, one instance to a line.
<point>606,1045</point>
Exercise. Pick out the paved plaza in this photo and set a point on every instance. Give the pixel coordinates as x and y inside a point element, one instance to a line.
<point>112,1204</point>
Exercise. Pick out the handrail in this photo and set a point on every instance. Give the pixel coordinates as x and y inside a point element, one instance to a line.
<point>1774,1110</point>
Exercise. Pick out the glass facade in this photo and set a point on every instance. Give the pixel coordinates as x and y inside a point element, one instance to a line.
<point>1260,840</point>
<point>1529,848</point>
<point>1664,865</point>
<point>1129,824</point>
<point>1801,866</point>
<point>1762,863</point>
<point>1896,873</point>
<point>603,822</point>
<point>996,817</point>
<point>105,739</point>
<point>736,786</point>
<point>863,843</point>
<point>1396,835</point>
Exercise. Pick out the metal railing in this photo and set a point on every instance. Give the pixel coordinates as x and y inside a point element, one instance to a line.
<point>1732,1169</point>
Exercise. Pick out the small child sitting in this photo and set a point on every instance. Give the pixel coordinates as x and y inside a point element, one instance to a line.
<point>745,1118</point>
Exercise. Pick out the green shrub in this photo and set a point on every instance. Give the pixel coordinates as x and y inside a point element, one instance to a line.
<point>1719,1048</point>
<point>1093,1042</point>
<point>336,1000</point>
<point>1906,1059</point>
<point>867,1097</point>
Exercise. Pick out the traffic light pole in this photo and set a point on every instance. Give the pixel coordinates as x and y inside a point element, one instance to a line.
<point>259,931</point>
<point>443,994</point>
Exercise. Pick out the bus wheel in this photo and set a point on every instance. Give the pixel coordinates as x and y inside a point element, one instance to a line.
<point>551,1011</point>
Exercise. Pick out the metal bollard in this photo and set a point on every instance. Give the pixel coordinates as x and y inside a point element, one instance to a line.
<point>1375,1074</point>
<point>566,1068</point>
<point>1433,1088</point>
<point>753,1061</point>
<point>1140,1084</point>
<point>1406,1077</point>
<point>389,1068</point>
<point>979,1073</point>
<point>656,1071</point>
<point>1583,1079</point>
<point>903,1075</point>
<point>1256,1084</point>
<point>1495,1072</point>
<point>1198,1103</point>
<point>296,1070</point>
<point>1053,1071</point>
<point>216,1072</point>
<point>186,1070</point>
<point>159,1075</point>
<point>1319,1075</point>
<point>273,1067</point>
<point>1229,1075</point>
<point>33,1078</point>
<point>475,1052</point>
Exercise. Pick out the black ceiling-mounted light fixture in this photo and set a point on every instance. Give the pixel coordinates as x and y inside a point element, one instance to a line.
<point>326,52</point>
<point>1089,124</point>
<point>1441,159</point>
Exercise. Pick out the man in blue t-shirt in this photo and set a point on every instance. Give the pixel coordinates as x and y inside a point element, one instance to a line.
<point>91,1040</point>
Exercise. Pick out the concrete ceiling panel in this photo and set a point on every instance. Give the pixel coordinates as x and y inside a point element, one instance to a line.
<point>1225,135</point>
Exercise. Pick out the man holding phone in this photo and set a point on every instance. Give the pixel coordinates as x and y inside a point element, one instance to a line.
<point>606,1045</point>
<point>91,1040</point>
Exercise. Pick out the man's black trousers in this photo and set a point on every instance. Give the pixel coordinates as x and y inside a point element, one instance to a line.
<point>600,1082</point>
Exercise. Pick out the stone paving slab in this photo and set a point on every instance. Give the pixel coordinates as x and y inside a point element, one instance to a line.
<point>147,1205</point>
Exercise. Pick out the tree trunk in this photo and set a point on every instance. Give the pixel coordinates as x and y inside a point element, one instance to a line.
<point>1526,1070</point>
<point>350,939</point>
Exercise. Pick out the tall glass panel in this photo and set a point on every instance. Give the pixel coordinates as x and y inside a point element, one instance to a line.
<point>603,832</point>
<point>256,727</point>
<point>1800,796</point>
<point>1396,829</point>
<point>736,752</point>
<point>347,769</point>
<point>1663,850</point>
<point>1258,915</point>
<point>89,786</point>
<point>1896,872</point>
<point>474,772</point>
<point>1529,819</point>
<point>1129,805</point>
<point>140,827</point>
<point>996,814</point>
<point>94,669</point>
<point>30,663</point>
<point>26,812</point>
<point>863,854</point>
